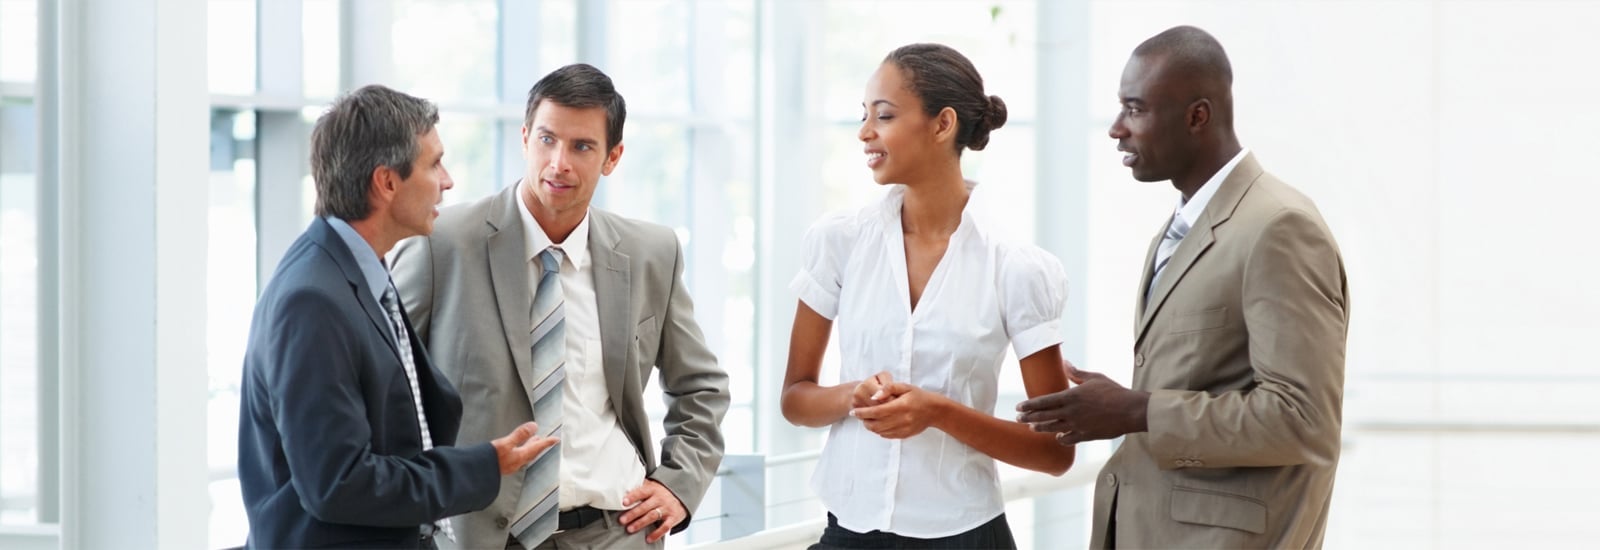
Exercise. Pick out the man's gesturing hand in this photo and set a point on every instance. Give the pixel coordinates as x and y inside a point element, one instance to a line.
<point>520,447</point>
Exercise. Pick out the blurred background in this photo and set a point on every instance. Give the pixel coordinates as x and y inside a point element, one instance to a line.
<point>153,169</point>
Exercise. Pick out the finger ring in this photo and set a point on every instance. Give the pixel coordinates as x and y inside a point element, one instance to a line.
<point>659,516</point>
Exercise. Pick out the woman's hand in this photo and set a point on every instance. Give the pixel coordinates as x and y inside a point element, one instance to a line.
<point>871,392</point>
<point>908,411</point>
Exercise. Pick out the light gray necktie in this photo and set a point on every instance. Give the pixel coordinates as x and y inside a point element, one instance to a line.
<point>1169,244</point>
<point>542,481</point>
<point>402,339</point>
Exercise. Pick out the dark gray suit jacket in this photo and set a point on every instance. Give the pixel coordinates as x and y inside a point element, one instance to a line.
<point>330,450</point>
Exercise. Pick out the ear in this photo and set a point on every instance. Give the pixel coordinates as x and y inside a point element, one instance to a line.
<point>945,125</point>
<point>385,182</point>
<point>612,158</point>
<point>525,137</point>
<point>1199,115</point>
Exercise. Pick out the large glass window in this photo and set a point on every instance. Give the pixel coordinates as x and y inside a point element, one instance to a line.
<point>19,24</point>
<point>230,299</point>
<point>19,307</point>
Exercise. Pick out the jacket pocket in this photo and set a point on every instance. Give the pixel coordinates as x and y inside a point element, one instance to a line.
<point>1219,509</point>
<point>646,341</point>
<point>1196,321</point>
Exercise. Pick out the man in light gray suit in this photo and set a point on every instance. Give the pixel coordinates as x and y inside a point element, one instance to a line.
<point>537,306</point>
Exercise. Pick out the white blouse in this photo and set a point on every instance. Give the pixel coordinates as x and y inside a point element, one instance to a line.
<point>983,294</point>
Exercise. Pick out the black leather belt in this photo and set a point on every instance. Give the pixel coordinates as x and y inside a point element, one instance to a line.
<point>576,518</point>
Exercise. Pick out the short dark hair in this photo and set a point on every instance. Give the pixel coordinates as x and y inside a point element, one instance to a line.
<point>942,77</point>
<point>364,129</point>
<point>582,86</point>
<point>1193,57</point>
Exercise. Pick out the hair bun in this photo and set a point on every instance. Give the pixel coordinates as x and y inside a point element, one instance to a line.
<point>992,117</point>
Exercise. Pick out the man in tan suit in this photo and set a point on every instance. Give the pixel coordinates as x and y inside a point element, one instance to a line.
<point>539,307</point>
<point>1232,423</point>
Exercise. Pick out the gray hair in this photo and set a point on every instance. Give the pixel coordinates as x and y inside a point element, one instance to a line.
<point>364,129</point>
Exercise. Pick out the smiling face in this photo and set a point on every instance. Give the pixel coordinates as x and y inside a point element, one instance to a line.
<point>565,148</point>
<point>1150,129</point>
<point>898,135</point>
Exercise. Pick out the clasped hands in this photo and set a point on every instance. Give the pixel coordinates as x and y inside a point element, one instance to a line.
<point>894,410</point>
<point>1095,407</point>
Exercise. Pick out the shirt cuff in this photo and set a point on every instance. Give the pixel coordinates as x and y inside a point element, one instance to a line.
<point>815,295</point>
<point>1041,336</point>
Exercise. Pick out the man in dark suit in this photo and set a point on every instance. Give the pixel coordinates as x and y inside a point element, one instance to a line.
<point>345,426</point>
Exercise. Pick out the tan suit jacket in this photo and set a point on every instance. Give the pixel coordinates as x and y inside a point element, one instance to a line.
<point>466,288</point>
<point>1242,348</point>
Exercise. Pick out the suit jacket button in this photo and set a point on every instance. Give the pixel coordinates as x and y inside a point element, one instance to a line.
<point>1111,479</point>
<point>1138,360</point>
<point>501,522</point>
<point>1180,463</point>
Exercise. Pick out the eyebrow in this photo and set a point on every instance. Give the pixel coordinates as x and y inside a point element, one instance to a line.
<point>585,141</point>
<point>877,102</point>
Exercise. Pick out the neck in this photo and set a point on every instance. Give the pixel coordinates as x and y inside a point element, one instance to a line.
<point>556,225</point>
<point>933,206</point>
<point>372,231</point>
<point>1206,166</point>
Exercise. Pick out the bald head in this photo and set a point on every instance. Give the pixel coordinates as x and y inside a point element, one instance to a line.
<point>1192,65</point>
<point>1177,116</point>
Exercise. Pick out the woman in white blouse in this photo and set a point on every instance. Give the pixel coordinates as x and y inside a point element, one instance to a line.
<point>926,301</point>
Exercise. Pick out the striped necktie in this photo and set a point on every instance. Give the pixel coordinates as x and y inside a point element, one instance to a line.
<point>1169,244</point>
<point>402,339</point>
<point>542,480</point>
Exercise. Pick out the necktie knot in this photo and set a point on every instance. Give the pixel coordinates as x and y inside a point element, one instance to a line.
<point>549,260</point>
<point>1178,228</point>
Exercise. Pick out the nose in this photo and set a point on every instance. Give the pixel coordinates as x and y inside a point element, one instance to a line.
<point>446,182</point>
<point>1117,130</point>
<point>865,134</point>
<point>558,161</point>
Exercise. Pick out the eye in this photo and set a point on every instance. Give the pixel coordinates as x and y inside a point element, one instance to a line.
<point>547,140</point>
<point>585,147</point>
<point>886,116</point>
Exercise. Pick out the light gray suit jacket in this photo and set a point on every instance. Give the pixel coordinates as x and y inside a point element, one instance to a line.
<point>1242,348</point>
<point>466,288</point>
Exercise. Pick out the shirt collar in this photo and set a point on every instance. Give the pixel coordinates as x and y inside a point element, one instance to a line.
<point>576,247</point>
<point>372,268</point>
<point>896,198</point>
<point>1190,211</point>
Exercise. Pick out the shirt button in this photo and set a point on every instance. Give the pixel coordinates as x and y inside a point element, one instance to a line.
<point>1138,360</point>
<point>501,522</point>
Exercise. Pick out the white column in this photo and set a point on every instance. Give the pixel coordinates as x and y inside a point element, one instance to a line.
<point>1062,211</point>
<point>281,136</point>
<point>519,69</point>
<point>47,102</point>
<point>365,43</point>
<point>134,108</point>
<point>790,202</point>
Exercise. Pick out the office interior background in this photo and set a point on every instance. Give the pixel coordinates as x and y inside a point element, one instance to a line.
<point>153,169</point>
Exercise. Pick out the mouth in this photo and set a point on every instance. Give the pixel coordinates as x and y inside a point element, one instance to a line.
<point>875,158</point>
<point>1128,157</point>
<point>556,186</point>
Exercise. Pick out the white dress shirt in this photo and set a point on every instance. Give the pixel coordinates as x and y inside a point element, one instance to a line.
<point>598,464</point>
<point>983,294</point>
<point>1191,209</point>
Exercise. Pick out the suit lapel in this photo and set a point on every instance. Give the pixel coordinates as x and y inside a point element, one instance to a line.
<point>613,293</point>
<point>1199,239</point>
<point>508,271</point>
<point>324,235</point>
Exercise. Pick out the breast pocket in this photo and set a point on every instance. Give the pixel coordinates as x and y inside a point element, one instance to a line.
<point>646,341</point>
<point>1198,321</point>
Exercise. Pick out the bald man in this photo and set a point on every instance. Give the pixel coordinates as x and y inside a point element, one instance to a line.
<point>1232,422</point>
